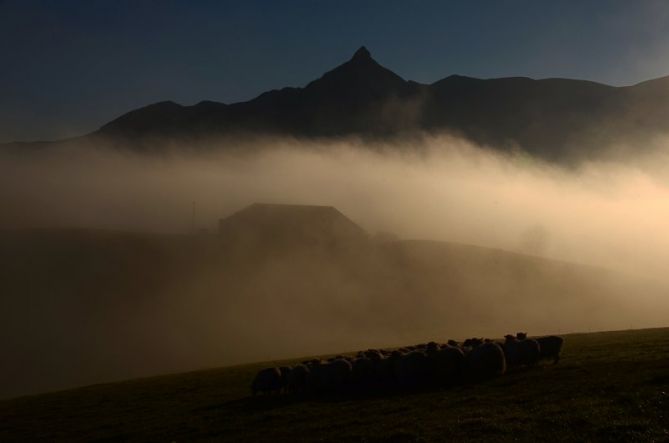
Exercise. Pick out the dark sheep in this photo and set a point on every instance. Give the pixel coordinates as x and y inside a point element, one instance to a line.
<point>485,361</point>
<point>384,372</point>
<point>445,365</point>
<point>297,379</point>
<point>550,347</point>
<point>362,373</point>
<point>336,375</point>
<point>393,363</point>
<point>266,381</point>
<point>315,376</point>
<point>412,370</point>
<point>285,373</point>
<point>521,352</point>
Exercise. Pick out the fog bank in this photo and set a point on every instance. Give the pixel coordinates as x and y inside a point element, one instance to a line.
<point>611,214</point>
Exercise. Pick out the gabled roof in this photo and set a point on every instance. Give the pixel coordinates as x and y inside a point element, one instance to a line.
<point>288,222</point>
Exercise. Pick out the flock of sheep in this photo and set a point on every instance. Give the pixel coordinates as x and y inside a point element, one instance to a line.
<point>424,365</point>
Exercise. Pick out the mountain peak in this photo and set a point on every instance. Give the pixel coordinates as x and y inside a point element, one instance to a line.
<point>362,54</point>
<point>360,78</point>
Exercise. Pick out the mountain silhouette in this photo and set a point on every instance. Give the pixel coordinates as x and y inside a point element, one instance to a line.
<point>552,118</point>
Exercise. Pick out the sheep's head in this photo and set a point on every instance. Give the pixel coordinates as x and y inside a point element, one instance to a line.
<point>521,335</point>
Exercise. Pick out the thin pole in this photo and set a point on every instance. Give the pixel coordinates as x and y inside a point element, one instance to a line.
<point>192,219</point>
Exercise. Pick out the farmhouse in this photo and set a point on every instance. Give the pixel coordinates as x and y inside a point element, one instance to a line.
<point>290,225</point>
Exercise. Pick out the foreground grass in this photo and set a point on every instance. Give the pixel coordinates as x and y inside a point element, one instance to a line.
<point>610,386</point>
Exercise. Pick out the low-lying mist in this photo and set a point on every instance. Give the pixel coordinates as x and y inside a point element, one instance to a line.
<point>612,214</point>
<point>132,295</point>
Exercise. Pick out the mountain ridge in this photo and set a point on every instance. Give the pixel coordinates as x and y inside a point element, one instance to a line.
<point>553,118</point>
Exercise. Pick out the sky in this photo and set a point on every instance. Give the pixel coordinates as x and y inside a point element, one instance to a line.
<point>69,66</point>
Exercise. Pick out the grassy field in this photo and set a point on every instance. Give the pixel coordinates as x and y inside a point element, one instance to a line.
<point>610,386</point>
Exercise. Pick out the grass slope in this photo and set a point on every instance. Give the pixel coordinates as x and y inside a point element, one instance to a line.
<point>610,386</point>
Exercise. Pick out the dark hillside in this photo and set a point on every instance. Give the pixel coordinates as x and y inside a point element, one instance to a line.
<point>113,305</point>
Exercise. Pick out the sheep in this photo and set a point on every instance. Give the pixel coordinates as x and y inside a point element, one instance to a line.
<point>297,379</point>
<point>550,347</point>
<point>484,361</point>
<point>384,372</point>
<point>315,377</point>
<point>266,381</point>
<point>335,375</point>
<point>521,352</point>
<point>412,369</point>
<point>414,366</point>
<point>362,372</point>
<point>285,373</point>
<point>445,364</point>
<point>331,376</point>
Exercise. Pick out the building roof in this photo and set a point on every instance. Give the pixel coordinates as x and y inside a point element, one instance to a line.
<point>288,222</point>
